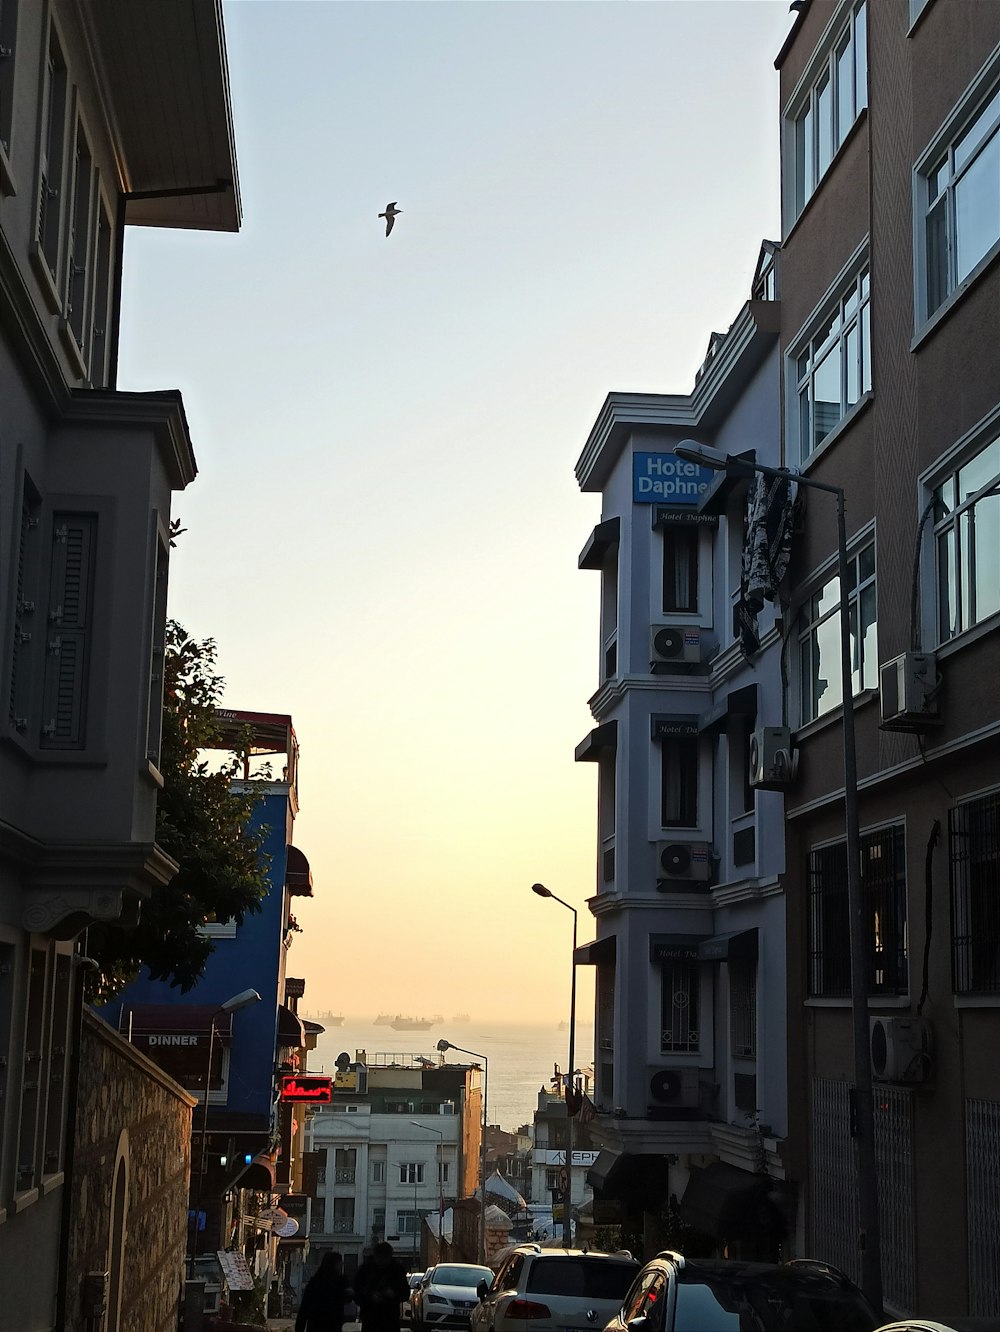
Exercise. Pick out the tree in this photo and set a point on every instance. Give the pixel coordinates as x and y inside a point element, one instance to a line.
<point>202,823</point>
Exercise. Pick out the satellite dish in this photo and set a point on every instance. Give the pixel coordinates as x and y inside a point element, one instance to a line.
<point>287,1228</point>
<point>343,1061</point>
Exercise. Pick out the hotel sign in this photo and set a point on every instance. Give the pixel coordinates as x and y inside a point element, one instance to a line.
<point>663,478</point>
<point>304,1087</point>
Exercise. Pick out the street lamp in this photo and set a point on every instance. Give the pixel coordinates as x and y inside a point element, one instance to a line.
<point>542,891</point>
<point>443,1045</point>
<point>869,1240</point>
<point>440,1133</point>
<point>242,1000</point>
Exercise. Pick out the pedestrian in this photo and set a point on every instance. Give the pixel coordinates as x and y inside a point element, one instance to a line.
<point>380,1287</point>
<point>323,1300</point>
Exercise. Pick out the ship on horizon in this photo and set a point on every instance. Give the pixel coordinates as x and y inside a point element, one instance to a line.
<point>461,1017</point>
<point>329,1018</point>
<point>383,1019</point>
<point>401,1023</point>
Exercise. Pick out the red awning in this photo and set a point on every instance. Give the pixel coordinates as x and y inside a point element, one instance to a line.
<point>291,1035</point>
<point>260,1174</point>
<point>298,875</point>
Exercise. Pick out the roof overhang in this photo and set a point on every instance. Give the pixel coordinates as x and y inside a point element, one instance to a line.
<point>604,538</point>
<point>602,952</point>
<point>600,740</point>
<point>166,82</point>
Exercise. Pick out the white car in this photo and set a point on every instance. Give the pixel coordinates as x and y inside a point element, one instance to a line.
<point>555,1290</point>
<point>414,1279</point>
<point>447,1295</point>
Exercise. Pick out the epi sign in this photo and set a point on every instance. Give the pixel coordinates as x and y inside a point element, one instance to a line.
<point>663,478</point>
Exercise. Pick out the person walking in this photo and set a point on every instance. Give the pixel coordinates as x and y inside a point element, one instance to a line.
<point>323,1300</point>
<point>380,1287</point>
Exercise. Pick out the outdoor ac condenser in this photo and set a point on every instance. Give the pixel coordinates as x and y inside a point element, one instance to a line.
<point>907,688</point>
<point>900,1048</point>
<point>679,644</point>
<point>773,761</point>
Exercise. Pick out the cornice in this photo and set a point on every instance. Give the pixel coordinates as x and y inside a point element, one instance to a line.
<point>161,412</point>
<point>613,692</point>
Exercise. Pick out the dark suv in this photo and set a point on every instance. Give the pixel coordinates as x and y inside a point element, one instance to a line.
<point>677,1294</point>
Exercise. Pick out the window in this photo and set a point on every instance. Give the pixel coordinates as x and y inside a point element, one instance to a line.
<point>552,1179</point>
<point>679,1008</point>
<point>974,853</point>
<point>982,1176</point>
<point>959,199</point>
<point>832,368</point>
<point>68,635</point>
<point>967,543</point>
<point>343,1216</point>
<point>55,1097</point>
<point>81,258</point>
<point>883,888</point>
<point>345,1164</point>
<point>407,1223</point>
<point>100,344</point>
<point>679,782</point>
<point>819,638</point>
<point>411,1172</point>
<point>680,568</point>
<point>31,1091</point>
<point>378,1172</point>
<point>28,625</point>
<point>837,96</point>
<point>743,1007</point>
<point>444,1172</point>
<point>8,44</point>
<point>378,1220</point>
<point>50,176</point>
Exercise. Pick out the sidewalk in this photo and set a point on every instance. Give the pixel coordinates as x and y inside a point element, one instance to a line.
<point>288,1325</point>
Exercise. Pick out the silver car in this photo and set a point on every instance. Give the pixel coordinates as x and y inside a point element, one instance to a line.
<point>555,1290</point>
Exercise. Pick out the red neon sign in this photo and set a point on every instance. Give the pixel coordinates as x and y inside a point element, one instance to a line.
<point>307,1087</point>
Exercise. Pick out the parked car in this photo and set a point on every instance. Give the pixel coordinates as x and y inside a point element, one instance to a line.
<point>413,1279</point>
<point>677,1294</point>
<point>554,1290</point>
<point>446,1295</point>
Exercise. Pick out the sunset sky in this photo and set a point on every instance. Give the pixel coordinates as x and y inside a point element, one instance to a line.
<point>384,532</point>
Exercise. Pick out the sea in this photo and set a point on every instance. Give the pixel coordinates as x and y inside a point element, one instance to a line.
<point>521,1056</point>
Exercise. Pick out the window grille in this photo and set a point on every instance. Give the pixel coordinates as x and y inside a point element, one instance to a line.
<point>679,1009</point>
<point>743,1007</point>
<point>883,887</point>
<point>974,847</point>
<point>982,1165</point>
<point>894,1155</point>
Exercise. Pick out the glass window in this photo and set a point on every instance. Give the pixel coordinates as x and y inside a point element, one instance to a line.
<point>411,1172</point>
<point>967,542</point>
<point>680,568</point>
<point>679,782</point>
<point>833,367</point>
<point>819,638</point>
<point>590,1278</point>
<point>831,106</point>
<point>962,203</point>
<point>679,1008</point>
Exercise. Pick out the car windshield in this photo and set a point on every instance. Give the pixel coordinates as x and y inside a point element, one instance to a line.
<point>450,1275</point>
<point>593,1278</point>
<point>771,1301</point>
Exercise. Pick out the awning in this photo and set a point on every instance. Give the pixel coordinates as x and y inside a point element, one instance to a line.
<point>737,703</point>
<point>601,952</point>
<point>260,1174</point>
<point>723,1201</point>
<point>604,537</point>
<point>166,1025</point>
<point>291,1035</point>
<point>599,741</point>
<point>298,875</point>
<point>599,1174</point>
<point>716,497</point>
<point>724,947</point>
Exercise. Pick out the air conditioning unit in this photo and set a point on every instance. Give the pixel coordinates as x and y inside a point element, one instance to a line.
<point>773,761</point>
<point>672,1087</point>
<point>900,1049</point>
<point>677,644</point>
<point>907,689</point>
<point>684,860</point>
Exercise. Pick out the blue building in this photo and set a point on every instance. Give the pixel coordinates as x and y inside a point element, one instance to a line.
<point>217,1040</point>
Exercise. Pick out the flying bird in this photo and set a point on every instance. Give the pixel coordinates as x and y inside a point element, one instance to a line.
<point>390,216</point>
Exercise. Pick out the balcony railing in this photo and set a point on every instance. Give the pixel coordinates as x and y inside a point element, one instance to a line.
<point>344,1175</point>
<point>343,1225</point>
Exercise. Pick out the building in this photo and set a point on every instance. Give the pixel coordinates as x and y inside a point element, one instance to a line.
<point>400,1142</point>
<point>690,1059</point>
<point>94,100</point>
<point>243,1149</point>
<point>890,350</point>
<point>554,1180</point>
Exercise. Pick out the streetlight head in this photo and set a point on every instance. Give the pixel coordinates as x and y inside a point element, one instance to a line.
<point>444,1045</point>
<point>541,890</point>
<point>242,1000</point>
<point>691,451</point>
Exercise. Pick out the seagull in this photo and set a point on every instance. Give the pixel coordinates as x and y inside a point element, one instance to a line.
<point>390,216</point>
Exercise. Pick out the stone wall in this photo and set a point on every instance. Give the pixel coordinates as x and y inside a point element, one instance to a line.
<point>129,1114</point>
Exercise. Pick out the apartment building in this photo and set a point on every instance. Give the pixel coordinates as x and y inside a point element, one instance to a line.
<point>400,1143</point>
<point>890,364</point>
<point>690,1060</point>
<point>95,101</point>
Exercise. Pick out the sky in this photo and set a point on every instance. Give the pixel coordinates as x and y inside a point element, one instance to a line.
<point>384,532</point>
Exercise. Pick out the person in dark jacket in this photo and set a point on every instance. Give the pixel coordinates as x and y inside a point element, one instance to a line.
<point>380,1287</point>
<point>323,1300</point>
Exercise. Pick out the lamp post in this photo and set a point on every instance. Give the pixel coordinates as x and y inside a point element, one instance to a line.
<point>440,1135</point>
<point>443,1045</point>
<point>542,891</point>
<point>242,1000</point>
<point>866,1167</point>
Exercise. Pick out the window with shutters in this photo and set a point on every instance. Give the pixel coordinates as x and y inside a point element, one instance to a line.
<point>154,710</point>
<point>67,642</point>
<point>48,227</point>
<point>100,341</point>
<point>81,245</point>
<point>26,1165</point>
<point>8,50</point>
<point>28,624</point>
<point>58,1064</point>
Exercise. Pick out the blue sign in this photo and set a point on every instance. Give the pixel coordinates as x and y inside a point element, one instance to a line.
<point>663,478</point>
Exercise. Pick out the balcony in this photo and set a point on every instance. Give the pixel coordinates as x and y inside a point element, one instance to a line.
<point>344,1175</point>
<point>343,1225</point>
